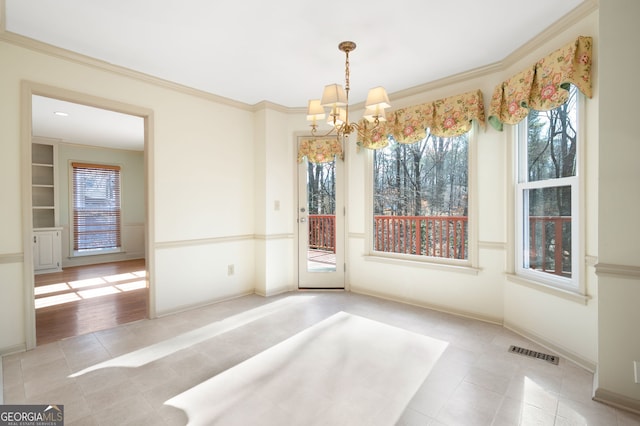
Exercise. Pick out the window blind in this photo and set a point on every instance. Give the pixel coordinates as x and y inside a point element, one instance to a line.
<point>96,206</point>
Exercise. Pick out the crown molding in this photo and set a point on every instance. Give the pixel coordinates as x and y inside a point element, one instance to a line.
<point>57,52</point>
<point>447,81</point>
<point>266,105</point>
<point>552,31</point>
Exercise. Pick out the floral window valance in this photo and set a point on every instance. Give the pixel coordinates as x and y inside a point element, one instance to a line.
<point>319,150</point>
<point>543,86</point>
<point>446,117</point>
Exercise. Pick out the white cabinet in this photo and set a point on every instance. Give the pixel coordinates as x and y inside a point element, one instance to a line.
<point>47,241</point>
<point>47,250</point>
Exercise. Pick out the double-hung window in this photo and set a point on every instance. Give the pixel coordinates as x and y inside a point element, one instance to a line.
<point>548,196</point>
<point>96,208</point>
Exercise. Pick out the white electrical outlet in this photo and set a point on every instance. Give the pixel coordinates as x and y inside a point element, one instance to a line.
<point>276,205</point>
<point>230,269</point>
<point>636,371</point>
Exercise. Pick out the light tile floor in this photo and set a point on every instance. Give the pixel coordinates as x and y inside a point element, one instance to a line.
<point>123,376</point>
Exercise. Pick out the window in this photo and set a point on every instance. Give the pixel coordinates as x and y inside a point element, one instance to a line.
<point>96,208</point>
<point>420,198</point>
<point>547,196</point>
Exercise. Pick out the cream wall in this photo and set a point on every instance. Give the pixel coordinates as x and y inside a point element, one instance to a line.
<point>204,200</point>
<point>618,265</point>
<point>276,256</point>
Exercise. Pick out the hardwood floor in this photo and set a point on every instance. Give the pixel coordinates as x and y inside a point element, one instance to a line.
<point>85,299</point>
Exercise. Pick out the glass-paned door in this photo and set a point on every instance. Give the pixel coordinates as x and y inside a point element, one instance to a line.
<point>320,225</point>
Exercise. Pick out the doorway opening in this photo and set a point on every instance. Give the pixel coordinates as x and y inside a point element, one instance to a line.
<point>69,293</point>
<point>321,224</point>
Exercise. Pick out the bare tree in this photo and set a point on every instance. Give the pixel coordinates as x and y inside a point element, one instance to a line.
<point>425,178</point>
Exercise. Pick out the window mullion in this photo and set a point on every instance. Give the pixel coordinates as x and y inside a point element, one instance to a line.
<point>549,183</point>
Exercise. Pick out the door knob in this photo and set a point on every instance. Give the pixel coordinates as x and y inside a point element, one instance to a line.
<point>303,219</point>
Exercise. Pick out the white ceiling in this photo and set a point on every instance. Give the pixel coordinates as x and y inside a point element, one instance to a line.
<point>285,51</point>
<point>85,125</point>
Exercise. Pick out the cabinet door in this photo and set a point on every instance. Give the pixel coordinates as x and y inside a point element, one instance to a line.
<point>46,250</point>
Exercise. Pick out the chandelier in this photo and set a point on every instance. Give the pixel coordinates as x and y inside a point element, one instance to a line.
<point>336,98</point>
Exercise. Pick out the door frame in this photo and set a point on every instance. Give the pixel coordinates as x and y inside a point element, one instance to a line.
<point>341,221</point>
<point>27,90</point>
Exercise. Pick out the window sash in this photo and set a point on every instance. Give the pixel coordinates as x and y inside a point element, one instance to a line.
<point>96,207</point>
<point>523,234</point>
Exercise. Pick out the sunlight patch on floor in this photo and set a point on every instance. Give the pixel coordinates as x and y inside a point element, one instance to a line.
<point>135,285</point>
<point>344,370</point>
<point>167,347</point>
<point>74,291</point>
<point>97,292</point>
<point>44,302</point>
<point>120,277</point>
<point>51,288</point>
<point>89,282</point>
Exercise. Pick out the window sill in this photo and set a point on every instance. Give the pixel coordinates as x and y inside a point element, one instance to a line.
<point>95,252</point>
<point>549,289</point>
<point>422,264</point>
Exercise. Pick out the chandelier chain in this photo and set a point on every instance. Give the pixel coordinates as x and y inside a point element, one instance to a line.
<point>346,89</point>
<point>346,75</point>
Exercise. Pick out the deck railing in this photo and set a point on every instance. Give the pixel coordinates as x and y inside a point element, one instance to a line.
<point>322,232</point>
<point>436,236</point>
<point>446,237</point>
<point>546,251</point>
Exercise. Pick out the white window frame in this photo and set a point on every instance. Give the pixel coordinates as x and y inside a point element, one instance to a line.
<point>575,284</point>
<point>99,251</point>
<point>469,265</point>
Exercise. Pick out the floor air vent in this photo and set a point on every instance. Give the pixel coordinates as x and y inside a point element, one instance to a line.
<point>533,354</point>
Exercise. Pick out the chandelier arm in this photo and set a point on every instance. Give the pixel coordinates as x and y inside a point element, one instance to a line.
<point>326,134</point>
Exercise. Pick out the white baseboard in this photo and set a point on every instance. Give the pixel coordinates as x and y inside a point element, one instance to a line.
<point>273,292</point>
<point>439,308</point>
<point>186,308</point>
<point>13,349</point>
<point>616,400</point>
<point>70,262</point>
<point>563,352</point>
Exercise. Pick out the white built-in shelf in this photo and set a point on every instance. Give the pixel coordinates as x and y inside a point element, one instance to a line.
<point>43,189</point>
